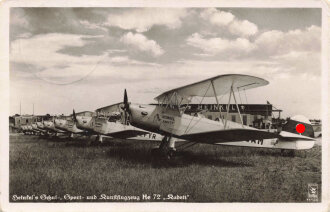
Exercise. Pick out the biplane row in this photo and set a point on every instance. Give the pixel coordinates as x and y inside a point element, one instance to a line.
<point>167,121</point>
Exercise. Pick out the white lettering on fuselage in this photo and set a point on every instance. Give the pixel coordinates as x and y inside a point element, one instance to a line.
<point>167,119</point>
<point>253,141</point>
<point>149,135</point>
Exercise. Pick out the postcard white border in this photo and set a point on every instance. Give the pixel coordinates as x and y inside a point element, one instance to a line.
<point>5,205</point>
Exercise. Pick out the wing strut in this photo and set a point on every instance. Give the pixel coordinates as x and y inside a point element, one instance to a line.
<point>240,116</point>
<point>216,99</point>
<point>231,89</point>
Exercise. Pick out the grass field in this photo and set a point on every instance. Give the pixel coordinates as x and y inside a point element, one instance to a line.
<point>203,173</point>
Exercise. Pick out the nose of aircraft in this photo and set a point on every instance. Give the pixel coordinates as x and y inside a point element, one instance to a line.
<point>79,120</point>
<point>39,124</point>
<point>48,123</point>
<point>139,113</point>
<point>135,112</point>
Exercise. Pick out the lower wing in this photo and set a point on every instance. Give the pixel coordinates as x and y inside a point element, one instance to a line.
<point>229,135</point>
<point>127,133</point>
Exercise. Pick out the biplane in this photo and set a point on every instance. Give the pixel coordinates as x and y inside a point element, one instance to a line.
<point>37,129</point>
<point>67,124</point>
<point>111,124</point>
<point>27,129</point>
<point>168,118</point>
<point>50,127</point>
<point>42,128</point>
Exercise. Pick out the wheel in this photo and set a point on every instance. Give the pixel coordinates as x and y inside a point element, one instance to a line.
<point>97,141</point>
<point>170,154</point>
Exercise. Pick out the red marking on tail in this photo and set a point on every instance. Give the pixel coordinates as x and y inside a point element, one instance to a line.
<point>300,128</point>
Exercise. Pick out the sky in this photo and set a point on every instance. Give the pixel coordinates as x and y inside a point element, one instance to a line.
<point>84,58</point>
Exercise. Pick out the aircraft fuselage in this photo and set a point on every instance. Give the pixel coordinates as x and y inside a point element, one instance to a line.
<point>67,125</point>
<point>170,121</point>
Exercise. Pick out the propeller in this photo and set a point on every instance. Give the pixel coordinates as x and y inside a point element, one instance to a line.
<point>125,107</point>
<point>74,116</point>
<point>126,104</point>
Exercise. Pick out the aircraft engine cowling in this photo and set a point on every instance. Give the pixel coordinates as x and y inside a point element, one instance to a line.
<point>292,126</point>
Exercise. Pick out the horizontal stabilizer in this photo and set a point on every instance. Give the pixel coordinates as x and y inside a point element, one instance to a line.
<point>229,135</point>
<point>293,137</point>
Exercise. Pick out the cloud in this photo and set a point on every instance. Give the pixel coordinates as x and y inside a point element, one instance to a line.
<point>219,45</point>
<point>228,21</point>
<point>94,26</point>
<point>216,17</point>
<point>299,63</point>
<point>295,51</point>
<point>43,50</point>
<point>143,19</point>
<point>41,55</point>
<point>243,28</point>
<point>276,42</point>
<point>126,61</point>
<point>141,43</point>
<point>41,20</point>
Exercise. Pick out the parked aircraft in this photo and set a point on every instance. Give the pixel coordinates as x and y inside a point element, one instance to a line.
<point>37,129</point>
<point>68,125</point>
<point>27,130</point>
<point>111,125</point>
<point>49,126</point>
<point>168,118</point>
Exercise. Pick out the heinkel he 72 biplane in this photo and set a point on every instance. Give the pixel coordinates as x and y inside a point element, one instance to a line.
<point>168,118</point>
<point>111,124</point>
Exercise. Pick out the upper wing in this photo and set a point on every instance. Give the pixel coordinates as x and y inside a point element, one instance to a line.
<point>108,110</point>
<point>85,113</point>
<point>229,135</point>
<point>127,133</point>
<point>222,85</point>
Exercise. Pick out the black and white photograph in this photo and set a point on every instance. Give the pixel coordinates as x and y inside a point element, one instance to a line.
<point>165,104</point>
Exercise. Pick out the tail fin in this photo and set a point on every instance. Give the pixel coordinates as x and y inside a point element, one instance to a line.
<point>299,125</point>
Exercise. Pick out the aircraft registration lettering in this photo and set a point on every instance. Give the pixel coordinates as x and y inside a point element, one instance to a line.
<point>149,135</point>
<point>261,141</point>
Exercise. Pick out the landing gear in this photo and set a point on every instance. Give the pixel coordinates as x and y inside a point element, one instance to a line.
<point>98,140</point>
<point>166,149</point>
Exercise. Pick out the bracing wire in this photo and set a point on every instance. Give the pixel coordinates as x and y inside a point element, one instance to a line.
<point>199,104</point>
<point>245,97</point>
<point>239,94</point>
